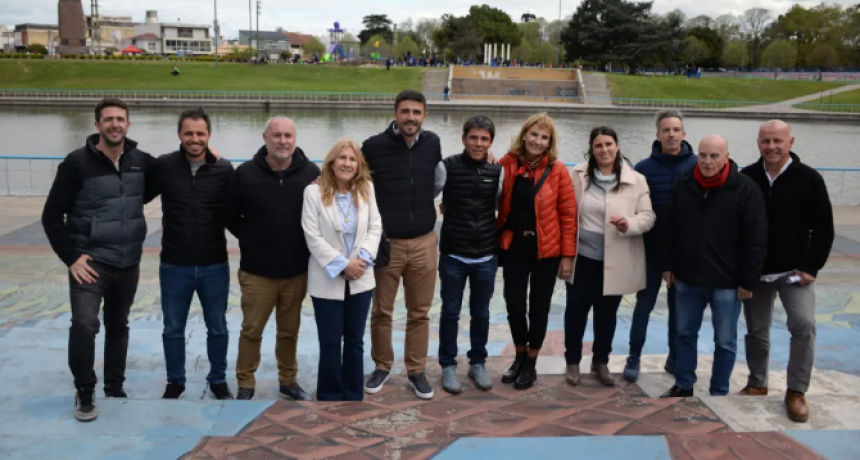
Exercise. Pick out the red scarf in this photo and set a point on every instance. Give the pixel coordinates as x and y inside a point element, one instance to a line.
<point>524,167</point>
<point>716,181</point>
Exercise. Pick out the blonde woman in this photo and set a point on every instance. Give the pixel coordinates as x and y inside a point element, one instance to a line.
<point>342,228</point>
<point>537,222</point>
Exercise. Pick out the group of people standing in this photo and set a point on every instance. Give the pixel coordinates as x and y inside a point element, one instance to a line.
<point>350,231</point>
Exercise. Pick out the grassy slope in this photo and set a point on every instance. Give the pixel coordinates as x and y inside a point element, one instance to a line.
<point>848,101</point>
<point>712,88</point>
<point>203,76</point>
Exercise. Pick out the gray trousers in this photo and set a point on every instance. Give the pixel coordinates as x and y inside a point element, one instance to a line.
<point>799,303</point>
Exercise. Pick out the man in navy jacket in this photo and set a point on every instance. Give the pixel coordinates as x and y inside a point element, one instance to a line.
<point>670,156</point>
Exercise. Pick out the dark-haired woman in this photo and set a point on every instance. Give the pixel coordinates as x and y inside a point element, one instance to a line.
<point>614,210</point>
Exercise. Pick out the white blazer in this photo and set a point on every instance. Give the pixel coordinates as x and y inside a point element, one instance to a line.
<point>324,236</point>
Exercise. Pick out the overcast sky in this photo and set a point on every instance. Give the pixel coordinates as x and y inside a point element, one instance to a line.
<point>316,17</point>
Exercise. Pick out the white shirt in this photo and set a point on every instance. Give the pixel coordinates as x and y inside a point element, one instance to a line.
<point>784,167</point>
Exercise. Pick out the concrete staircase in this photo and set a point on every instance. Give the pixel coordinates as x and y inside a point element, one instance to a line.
<point>596,89</point>
<point>434,83</point>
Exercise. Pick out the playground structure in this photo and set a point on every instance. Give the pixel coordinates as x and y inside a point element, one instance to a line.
<point>336,50</point>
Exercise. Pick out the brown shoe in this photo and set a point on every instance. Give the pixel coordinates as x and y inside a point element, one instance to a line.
<point>795,403</point>
<point>572,375</point>
<point>754,391</point>
<point>601,371</point>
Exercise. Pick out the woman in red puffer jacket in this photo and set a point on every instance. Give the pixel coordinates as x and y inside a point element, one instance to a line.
<point>537,225</point>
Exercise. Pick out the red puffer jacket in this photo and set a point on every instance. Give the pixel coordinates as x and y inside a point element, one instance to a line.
<point>555,206</point>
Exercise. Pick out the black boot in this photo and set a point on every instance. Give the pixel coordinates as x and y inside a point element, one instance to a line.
<point>510,375</point>
<point>527,376</point>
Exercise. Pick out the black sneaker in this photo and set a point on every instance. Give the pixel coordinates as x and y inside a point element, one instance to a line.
<point>174,390</point>
<point>376,381</point>
<point>294,392</point>
<point>85,406</point>
<point>418,382</point>
<point>115,392</point>
<point>245,394</point>
<point>221,390</point>
<point>677,392</point>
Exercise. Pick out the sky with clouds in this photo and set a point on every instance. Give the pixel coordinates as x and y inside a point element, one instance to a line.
<point>315,18</point>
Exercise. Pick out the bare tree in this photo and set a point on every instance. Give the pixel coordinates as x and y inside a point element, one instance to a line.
<point>700,21</point>
<point>729,27</point>
<point>753,22</point>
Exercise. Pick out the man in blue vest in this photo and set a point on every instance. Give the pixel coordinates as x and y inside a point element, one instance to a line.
<point>670,156</point>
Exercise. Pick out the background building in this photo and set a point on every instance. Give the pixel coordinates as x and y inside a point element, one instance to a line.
<point>34,34</point>
<point>72,27</point>
<point>156,37</point>
<point>7,39</point>
<point>297,42</point>
<point>271,43</point>
<point>114,30</point>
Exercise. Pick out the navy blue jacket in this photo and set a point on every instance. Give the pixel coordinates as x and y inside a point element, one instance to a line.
<point>661,170</point>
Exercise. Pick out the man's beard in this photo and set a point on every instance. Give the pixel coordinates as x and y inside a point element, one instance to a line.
<point>110,142</point>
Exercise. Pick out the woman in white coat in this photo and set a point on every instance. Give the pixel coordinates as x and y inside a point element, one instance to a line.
<point>614,211</point>
<point>342,228</point>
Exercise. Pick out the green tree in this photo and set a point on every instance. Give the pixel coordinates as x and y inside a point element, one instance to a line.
<point>458,35</point>
<point>522,53</point>
<point>621,32</point>
<point>376,24</point>
<point>38,49</point>
<point>728,27</point>
<point>695,51</point>
<point>527,17</point>
<point>753,22</point>
<point>823,55</point>
<point>313,46</point>
<point>406,45</point>
<point>424,30</point>
<point>712,40</point>
<point>531,33</point>
<point>736,55</point>
<point>700,21</point>
<point>494,25</point>
<point>384,49</point>
<point>544,54</point>
<point>781,54</point>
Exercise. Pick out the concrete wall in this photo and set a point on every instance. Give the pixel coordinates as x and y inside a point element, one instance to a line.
<point>468,82</point>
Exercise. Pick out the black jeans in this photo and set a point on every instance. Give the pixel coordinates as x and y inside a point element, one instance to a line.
<point>117,287</point>
<point>585,292</point>
<point>453,274</point>
<point>521,269</point>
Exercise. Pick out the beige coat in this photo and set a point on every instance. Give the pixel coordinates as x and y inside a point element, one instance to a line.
<point>325,241</point>
<point>624,253</point>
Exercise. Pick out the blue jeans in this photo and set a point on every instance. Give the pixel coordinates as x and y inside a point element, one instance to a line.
<point>725,311</point>
<point>645,301</point>
<point>482,281</point>
<point>340,328</point>
<point>178,284</point>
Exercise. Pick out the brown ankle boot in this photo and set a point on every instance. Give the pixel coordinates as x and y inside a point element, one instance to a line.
<point>795,403</point>
<point>754,391</point>
<point>601,371</point>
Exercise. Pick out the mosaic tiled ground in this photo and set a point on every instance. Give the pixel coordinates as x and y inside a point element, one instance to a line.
<point>552,420</point>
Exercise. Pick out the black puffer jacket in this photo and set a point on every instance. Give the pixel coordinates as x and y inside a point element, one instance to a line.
<point>471,188</point>
<point>192,208</point>
<point>715,238</point>
<point>97,210</point>
<point>403,178</point>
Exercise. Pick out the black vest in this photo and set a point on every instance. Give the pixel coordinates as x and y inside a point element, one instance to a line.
<point>403,178</point>
<point>469,226</point>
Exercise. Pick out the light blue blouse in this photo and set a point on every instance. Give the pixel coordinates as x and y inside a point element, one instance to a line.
<point>336,266</point>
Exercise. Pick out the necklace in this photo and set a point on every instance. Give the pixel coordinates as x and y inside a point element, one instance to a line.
<point>348,209</point>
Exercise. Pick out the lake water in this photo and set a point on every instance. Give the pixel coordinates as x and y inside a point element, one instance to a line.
<point>237,133</point>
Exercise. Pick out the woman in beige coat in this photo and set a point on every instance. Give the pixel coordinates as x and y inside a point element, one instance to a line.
<point>614,211</point>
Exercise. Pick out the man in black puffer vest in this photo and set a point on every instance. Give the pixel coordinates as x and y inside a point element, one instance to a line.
<point>472,186</point>
<point>193,183</point>
<point>94,221</point>
<point>403,162</point>
<point>263,210</point>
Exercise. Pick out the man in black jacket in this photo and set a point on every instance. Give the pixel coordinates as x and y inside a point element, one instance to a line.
<point>714,246</point>
<point>193,184</point>
<point>264,211</point>
<point>469,241</point>
<point>403,162</point>
<point>800,223</point>
<point>94,221</point>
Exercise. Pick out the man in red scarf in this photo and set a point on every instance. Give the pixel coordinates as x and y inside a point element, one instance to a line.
<point>714,246</point>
